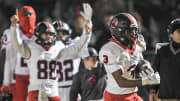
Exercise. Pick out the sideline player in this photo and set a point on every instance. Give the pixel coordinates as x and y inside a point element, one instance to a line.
<point>69,66</point>
<point>27,22</point>
<point>42,53</point>
<point>9,67</point>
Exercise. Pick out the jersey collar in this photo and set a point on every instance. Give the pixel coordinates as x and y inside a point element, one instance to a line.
<point>130,51</point>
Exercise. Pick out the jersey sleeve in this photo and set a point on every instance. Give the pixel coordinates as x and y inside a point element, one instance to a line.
<point>18,43</point>
<point>73,50</point>
<point>9,67</point>
<point>112,62</point>
<point>5,39</point>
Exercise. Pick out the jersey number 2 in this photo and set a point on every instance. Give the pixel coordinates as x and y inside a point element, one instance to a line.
<point>66,72</point>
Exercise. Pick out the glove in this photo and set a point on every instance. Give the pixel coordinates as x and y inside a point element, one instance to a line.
<point>4,90</point>
<point>145,68</point>
<point>152,79</point>
<point>141,42</point>
<point>87,11</point>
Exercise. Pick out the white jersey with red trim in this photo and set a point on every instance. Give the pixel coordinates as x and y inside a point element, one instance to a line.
<point>21,64</point>
<point>115,57</point>
<point>69,67</point>
<point>42,63</point>
<point>10,58</point>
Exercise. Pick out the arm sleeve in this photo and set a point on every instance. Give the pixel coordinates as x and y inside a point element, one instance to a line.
<point>9,66</point>
<point>75,88</point>
<point>18,43</point>
<point>73,50</point>
<point>5,39</point>
<point>7,71</point>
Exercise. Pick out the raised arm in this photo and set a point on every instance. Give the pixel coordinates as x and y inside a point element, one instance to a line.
<point>74,49</point>
<point>17,42</point>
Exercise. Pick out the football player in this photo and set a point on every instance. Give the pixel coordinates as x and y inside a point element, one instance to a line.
<point>69,66</point>
<point>27,20</point>
<point>63,31</point>
<point>66,67</point>
<point>27,24</point>
<point>9,68</point>
<point>42,54</point>
<point>121,57</point>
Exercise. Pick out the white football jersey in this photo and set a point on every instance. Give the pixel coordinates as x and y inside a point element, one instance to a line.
<point>114,58</point>
<point>10,62</point>
<point>66,70</point>
<point>42,64</point>
<point>21,63</point>
<point>70,66</point>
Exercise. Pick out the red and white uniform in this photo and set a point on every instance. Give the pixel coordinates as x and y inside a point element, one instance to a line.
<point>22,73</point>
<point>115,56</point>
<point>42,63</point>
<point>10,62</point>
<point>66,70</point>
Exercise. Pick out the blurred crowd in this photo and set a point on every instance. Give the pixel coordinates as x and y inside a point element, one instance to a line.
<point>154,15</point>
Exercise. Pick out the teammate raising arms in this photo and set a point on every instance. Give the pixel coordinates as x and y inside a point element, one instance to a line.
<point>42,53</point>
<point>70,66</point>
<point>27,20</point>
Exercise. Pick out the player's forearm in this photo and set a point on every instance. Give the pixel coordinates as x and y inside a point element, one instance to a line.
<point>74,50</point>
<point>18,43</point>
<point>7,74</point>
<point>124,82</point>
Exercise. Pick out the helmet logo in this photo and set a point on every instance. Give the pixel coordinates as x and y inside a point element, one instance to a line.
<point>114,23</point>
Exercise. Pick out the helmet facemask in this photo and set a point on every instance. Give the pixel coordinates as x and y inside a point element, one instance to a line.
<point>46,34</point>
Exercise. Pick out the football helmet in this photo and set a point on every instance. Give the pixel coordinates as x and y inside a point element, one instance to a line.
<point>175,24</point>
<point>124,29</point>
<point>62,26</point>
<point>46,28</point>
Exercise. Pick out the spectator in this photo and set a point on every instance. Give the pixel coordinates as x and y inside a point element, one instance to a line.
<point>167,62</point>
<point>90,81</point>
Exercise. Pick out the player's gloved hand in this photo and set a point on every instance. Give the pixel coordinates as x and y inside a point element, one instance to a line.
<point>152,79</point>
<point>145,68</point>
<point>141,41</point>
<point>4,90</point>
<point>87,14</point>
<point>87,11</point>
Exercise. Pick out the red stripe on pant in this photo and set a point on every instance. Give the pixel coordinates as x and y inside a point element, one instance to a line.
<point>22,82</point>
<point>126,97</point>
<point>33,96</point>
